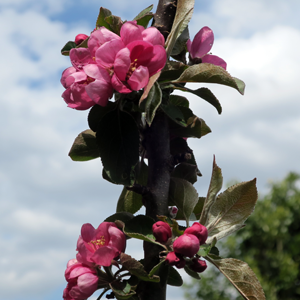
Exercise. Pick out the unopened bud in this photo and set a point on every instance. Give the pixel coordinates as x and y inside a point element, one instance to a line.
<point>80,38</point>
<point>198,265</point>
<point>186,245</point>
<point>161,231</point>
<point>199,230</point>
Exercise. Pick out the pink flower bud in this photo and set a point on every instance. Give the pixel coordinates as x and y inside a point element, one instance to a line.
<point>199,231</point>
<point>173,211</point>
<point>186,245</point>
<point>161,231</point>
<point>198,265</point>
<point>80,38</point>
<point>175,260</point>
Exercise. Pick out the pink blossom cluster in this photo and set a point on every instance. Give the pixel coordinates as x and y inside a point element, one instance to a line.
<point>200,47</point>
<point>96,248</point>
<point>186,245</point>
<point>122,63</point>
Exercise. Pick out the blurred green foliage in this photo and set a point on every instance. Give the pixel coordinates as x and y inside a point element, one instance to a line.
<point>270,244</point>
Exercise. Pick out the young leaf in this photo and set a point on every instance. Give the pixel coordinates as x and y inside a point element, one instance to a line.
<point>241,276</point>
<point>121,216</point>
<point>152,102</point>
<point>115,23</point>
<point>144,12</point>
<point>179,101</point>
<point>184,196</point>
<point>122,290</point>
<point>186,171</point>
<point>67,47</point>
<point>231,209</point>
<point>196,212</point>
<point>118,140</point>
<point>174,113</point>
<point>101,18</point>
<point>215,186</point>
<point>174,277</point>
<point>180,44</point>
<point>191,273</point>
<point>211,74</point>
<point>85,147</point>
<point>172,70</point>
<point>144,16</point>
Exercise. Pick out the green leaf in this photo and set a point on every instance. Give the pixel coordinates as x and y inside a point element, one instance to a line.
<point>115,23</point>
<point>101,18</point>
<point>205,94</point>
<point>150,105</point>
<point>121,216</point>
<point>85,147</point>
<point>231,209</point>
<point>241,277</point>
<point>155,269</point>
<point>118,140</point>
<point>174,113</point>
<point>180,44</point>
<point>185,171</point>
<point>211,74</point>
<point>191,273</point>
<point>184,196</point>
<point>204,250</point>
<point>67,47</point>
<point>144,12</point>
<point>130,201</point>
<point>150,84</point>
<point>196,212</point>
<point>122,290</point>
<point>174,277</point>
<point>172,70</point>
<point>184,12</point>
<point>136,268</point>
<point>215,186</point>
<point>179,101</point>
<point>97,112</point>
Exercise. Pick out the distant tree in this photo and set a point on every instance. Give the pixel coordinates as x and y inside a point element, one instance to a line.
<point>270,244</point>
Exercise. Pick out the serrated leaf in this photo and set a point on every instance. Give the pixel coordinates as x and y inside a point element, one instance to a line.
<point>118,139</point>
<point>205,94</point>
<point>85,147</point>
<point>130,201</point>
<point>231,209</point>
<point>67,47</point>
<point>215,186</point>
<point>191,273</point>
<point>183,195</point>
<point>211,74</point>
<point>101,18</point>
<point>151,104</point>
<point>185,171</point>
<point>241,277</point>
<point>174,278</point>
<point>144,12</point>
<point>184,12</point>
<point>115,23</point>
<point>136,268</point>
<point>121,216</point>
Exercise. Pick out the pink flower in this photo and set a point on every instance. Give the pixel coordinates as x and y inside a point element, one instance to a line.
<point>199,230</point>
<point>173,211</point>
<point>175,260</point>
<point>186,245</point>
<point>198,265</point>
<point>101,245</point>
<point>80,38</point>
<point>161,231</point>
<point>82,281</point>
<point>200,47</point>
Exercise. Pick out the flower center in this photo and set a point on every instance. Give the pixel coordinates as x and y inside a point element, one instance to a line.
<point>96,244</point>
<point>132,68</point>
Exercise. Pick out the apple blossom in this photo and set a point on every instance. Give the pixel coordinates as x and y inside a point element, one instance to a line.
<point>82,281</point>
<point>80,38</point>
<point>199,230</point>
<point>161,231</point>
<point>101,245</point>
<point>198,265</point>
<point>174,259</point>
<point>186,245</point>
<point>200,47</point>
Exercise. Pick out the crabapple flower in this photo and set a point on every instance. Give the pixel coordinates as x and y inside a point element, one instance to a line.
<point>101,245</point>
<point>82,281</point>
<point>198,265</point>
<point>201,45</point>
<point>80,38</point>
<point>176,260</point>
<point>186,245</point>
<point>199,230</point>
<point>161,231</point>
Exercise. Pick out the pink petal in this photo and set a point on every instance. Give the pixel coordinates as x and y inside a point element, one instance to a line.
<point>99,91</point>
<point>80,57</point>
<point>80,270</point>
<point>139,78</point>
<point>122,63</point>
<point>72,262</point>
<point>66,73</point>
<point>96,72</point>
<point>99,37</point>
<point>158,60</point>
<point>119,86</point>
<point>117,238</point>
<point>106,54</point>
<point>76,77</point>
<point>140,50</point>
<point>88,232</point>
<point>153,36</point>
<point>189,45</point>
<point>77,294</point>
<point>104,255</point>
<point>202,42</point>
<point>130,32</point>
<point>84,255</point>
<point>87,283</point>
<point>215,60</point>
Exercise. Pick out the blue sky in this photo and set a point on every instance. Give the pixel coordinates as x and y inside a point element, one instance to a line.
<point>45,197</point>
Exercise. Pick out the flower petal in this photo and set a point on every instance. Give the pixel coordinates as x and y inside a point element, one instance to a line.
<point>202,42</point>
<point>139,78</point>
<point>213,59</point>
<point>122,63</point>
<point>119,86</point>
<point>158,60</point>
<point>99,91</point>
<point>117,238</point>
<point>104,255</point>
<point>66,73</point>
<point>84,255</point>
<point>88,232</point>
<point>96,72</point>
<point>153,36</point>
<point>78,99</point>
<point>80,57</point>
<point>87,283</point>
<point>130,32</point>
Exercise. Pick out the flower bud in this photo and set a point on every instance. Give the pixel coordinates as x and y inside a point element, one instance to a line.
<point>161,231</point>
<point>175,260</point>
<point>198,265</point>
<point>186,245</point>
<point>199,231</point>
<point>173,211</point>
<point>80,38</point>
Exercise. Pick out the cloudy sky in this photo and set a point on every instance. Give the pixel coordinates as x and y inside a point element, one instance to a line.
<point>45,197</point>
